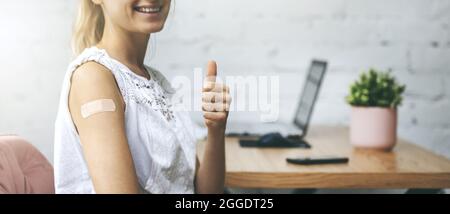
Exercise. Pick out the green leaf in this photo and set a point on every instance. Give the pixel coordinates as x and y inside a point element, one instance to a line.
<point>376,88</point>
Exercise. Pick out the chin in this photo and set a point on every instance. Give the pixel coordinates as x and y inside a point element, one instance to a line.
<point>151,28</point>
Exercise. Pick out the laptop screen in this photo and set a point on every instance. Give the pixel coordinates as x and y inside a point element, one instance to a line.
<point>309,94</point>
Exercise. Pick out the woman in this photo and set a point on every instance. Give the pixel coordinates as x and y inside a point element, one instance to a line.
<point>136,142</point>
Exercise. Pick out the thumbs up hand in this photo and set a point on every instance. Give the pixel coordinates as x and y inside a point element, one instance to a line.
<point>216,100</point>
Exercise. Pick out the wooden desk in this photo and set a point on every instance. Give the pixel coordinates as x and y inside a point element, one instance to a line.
<point>407,166</point>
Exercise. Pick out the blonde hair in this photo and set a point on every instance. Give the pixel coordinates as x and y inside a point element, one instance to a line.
<point>89,24</point>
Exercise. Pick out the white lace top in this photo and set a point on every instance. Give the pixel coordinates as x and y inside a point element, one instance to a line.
<point>161,140</point>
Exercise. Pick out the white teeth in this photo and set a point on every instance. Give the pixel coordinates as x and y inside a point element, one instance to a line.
<point>148,9</point>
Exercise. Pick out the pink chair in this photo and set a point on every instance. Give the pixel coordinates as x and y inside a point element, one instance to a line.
<point>23,169</point>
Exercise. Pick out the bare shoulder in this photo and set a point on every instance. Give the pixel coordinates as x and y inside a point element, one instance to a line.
<point>93,80</point>
<point>92,72</point>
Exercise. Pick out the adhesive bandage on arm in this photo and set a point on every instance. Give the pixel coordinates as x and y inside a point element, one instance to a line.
<point>97,106</point>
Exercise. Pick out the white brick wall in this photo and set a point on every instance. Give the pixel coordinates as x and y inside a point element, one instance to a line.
<point>249,37</point>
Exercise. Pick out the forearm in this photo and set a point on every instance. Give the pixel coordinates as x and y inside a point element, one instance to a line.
<point>210,178</point>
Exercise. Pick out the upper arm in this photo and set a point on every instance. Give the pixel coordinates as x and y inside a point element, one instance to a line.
<point>102,135</point>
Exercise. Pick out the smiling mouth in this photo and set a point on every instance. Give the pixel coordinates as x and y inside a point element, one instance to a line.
<point>148,9</point>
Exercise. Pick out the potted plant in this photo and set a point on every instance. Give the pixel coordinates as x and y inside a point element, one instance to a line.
<point>374,99</point>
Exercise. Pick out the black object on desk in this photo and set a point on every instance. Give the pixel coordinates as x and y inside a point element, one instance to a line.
<point>244,134</point>
<point>317,160</point>
<point>275,140</point>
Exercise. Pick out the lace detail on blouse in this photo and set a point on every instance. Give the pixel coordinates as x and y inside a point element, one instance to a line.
<point>151,94</point>
<point>148,92</point>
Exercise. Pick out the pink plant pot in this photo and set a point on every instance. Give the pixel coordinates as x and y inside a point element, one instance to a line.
<point>373,127</point>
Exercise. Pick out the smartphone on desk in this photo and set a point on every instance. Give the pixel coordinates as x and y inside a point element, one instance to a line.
<point>318,160</point>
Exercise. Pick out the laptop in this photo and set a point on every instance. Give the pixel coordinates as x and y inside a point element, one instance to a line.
<point>299,125</point>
